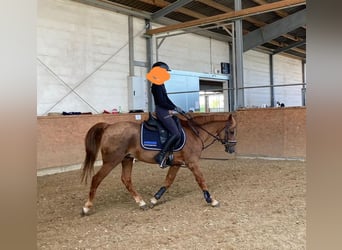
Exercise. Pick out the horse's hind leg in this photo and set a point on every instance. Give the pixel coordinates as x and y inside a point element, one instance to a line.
<point>170,177</point>
<point>194,167</point>
<point>126,178</point>
<point>95,182</point>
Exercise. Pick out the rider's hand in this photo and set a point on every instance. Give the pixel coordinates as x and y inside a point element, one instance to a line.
<point>179,110</point>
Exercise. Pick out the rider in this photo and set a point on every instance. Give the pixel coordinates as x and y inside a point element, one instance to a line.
<point>164,108</point>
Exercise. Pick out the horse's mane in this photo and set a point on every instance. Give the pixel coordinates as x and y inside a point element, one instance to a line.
<point>205,119</point>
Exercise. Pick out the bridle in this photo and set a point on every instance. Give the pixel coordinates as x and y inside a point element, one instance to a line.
<point>226,141</point>
<point>229,143</point>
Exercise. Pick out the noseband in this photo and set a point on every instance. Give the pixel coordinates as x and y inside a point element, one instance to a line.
<point>228,142</point>
<point>225,141</point>
<point>226,135</point>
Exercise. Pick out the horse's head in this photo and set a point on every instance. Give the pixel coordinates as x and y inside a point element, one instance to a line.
<point>229,140</point>
<point>212,126</point>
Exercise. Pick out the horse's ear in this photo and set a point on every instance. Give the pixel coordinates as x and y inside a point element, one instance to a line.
<point>232,121</point>
<point>230,118</point>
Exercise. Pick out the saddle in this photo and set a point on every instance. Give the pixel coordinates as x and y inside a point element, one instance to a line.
<point>153,124</point>
<point>154,134</point>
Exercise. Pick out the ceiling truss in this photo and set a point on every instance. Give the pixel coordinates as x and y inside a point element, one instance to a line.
<point>196,16</point>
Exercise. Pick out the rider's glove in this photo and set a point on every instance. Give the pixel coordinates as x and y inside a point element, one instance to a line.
<point>179,110</point>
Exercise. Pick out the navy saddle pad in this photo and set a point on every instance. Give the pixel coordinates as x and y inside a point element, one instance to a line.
<point>150,139</point>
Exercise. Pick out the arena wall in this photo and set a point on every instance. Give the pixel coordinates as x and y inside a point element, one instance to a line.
<point>264,132</point>
<point>272,132</point>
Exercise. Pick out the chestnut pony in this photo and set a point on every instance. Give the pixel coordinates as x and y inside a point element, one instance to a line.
<point>120,142</point>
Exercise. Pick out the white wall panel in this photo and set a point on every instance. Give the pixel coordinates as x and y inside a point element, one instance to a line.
<point>193,53</point>
<point>256,73</point>
<point>85,48</point>
<point>139,40</point>
<point>139,46</point>
<point>219,53</point>
<point>288,71</point>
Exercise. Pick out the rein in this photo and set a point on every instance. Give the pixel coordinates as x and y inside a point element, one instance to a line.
<point>192,125</point>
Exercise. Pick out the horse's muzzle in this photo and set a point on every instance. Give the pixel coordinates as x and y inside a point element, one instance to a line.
<point>230,147</point>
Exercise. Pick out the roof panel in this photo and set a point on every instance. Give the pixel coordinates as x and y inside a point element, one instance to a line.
<point>203,9</point>
<point>200,8</point>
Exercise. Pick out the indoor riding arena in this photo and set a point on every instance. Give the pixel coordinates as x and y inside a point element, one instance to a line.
<point>243,58</point>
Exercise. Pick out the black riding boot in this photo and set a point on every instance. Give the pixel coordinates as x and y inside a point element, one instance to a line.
<point>160,157</point>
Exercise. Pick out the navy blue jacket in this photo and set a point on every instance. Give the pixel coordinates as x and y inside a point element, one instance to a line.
<point>160,97</point>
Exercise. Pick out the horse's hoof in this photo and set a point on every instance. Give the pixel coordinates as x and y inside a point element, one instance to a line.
<point>144,207</point>
<point>153,201</point>
<point>215,203</point>
<point>84,211</point>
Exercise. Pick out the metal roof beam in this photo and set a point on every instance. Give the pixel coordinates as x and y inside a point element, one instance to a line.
<point>170,8</point>
<point>234,15</point>
<point>203,32</point>
<point>293,45</point>
<point>107,5</point>
<point>274,30</point>
<point>163,20</point>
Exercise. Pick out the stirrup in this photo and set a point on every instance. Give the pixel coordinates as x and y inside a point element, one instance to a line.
<point>167,161</point>
<point>163,163</point>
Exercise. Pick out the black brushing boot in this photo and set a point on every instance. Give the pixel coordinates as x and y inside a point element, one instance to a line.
<point>160,157</point>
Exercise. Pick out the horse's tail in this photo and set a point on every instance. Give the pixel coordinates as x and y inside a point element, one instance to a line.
<point>92,145</point>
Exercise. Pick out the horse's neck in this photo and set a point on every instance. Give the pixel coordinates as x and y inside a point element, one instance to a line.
<point>212,126</point>
<point>211,120</point>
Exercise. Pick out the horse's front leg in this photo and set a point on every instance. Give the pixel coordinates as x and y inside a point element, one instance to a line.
<point>126,178</point>
<point>170,177</point>
<point>194,167</point>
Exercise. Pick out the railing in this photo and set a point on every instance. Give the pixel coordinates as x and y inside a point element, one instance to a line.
<point>257,96</point>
